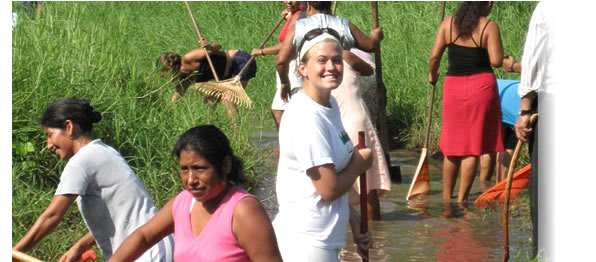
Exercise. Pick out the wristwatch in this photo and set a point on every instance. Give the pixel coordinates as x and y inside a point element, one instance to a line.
<point>525,112</point>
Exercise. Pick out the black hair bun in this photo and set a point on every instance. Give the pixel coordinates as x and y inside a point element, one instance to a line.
<point>94,116</point>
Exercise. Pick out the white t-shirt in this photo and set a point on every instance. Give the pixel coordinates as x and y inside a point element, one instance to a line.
<point>112,199</point>
<point>310,135</point>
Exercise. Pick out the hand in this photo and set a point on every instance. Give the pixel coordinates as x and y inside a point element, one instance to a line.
<point>508,61</point>
<point>433,78</point>
<point>285,92</point>
<point>285,13</point>
<point>522,128</point>
<point>362,159</point>
<point>73,254</point>
<point>377,34</point>
<point>203,43</point>
<point>363,241</point>
<point>256,52</point>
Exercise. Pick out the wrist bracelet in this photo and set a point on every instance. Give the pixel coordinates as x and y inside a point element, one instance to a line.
<point>511,68</point>
<point>262,53</point>
<point>525,112</point>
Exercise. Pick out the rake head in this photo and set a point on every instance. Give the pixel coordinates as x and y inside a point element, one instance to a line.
<point>229,90</point>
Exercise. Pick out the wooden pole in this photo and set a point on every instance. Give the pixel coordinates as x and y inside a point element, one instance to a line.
<point>201,38</point>
<point>363,195</point>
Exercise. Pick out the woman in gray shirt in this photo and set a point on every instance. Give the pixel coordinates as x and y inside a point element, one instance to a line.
<point>111,198</point>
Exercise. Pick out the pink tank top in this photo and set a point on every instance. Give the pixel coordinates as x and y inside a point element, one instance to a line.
<point>284,30</point>
<point>216,242</point>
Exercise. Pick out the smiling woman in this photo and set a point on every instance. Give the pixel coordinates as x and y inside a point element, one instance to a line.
<point>111,198</point>
<point>318,163</point>
<point>213,219</point>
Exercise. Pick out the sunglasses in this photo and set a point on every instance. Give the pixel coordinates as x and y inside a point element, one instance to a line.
<point>317,32</point>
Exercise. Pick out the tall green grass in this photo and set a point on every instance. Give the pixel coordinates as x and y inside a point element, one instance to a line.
<point>106,51</point>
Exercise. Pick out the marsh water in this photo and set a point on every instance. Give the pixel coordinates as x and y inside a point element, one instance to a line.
<point>426,228</point>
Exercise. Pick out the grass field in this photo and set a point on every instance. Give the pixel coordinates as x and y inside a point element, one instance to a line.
<point>106,51</point>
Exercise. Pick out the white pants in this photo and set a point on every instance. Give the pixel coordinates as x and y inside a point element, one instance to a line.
<point>295,251</point>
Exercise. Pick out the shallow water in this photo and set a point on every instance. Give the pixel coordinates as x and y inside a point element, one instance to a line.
<point>426,228</point>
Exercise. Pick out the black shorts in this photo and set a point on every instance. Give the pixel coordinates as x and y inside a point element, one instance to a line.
<point>238,62</point>
<point>509,138</point>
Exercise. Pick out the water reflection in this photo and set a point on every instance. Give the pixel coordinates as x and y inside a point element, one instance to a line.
<point>426,228</point>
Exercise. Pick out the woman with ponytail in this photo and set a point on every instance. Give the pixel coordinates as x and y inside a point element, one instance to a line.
<point>471,109</point>
<point>212,219</point>
<point>111,198</point>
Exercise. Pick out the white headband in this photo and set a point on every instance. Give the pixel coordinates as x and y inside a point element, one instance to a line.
<point>309,44</point>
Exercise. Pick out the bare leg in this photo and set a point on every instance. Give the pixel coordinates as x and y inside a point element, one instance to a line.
<point>373,205</point>
<point>487,166</point>
<point>276,114</point>
<point>230,109</point>
<point>468,173</point>
<point>174,97</point>
<point>503,161</point>
<point>450,167</point>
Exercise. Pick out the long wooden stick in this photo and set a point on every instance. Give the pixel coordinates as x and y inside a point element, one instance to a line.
<point>381,91</point>
<point>261,46</point>
<point>508,191</point>
<point>23,257</point>
<point>442,12</point>
<point>363,195</point>
<point>333,7</point>
<point>201,38</point>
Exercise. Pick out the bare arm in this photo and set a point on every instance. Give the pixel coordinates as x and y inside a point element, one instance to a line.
<point>510,66</point>
<point>284,56</point>
<point>46,222</point>
<point>494,45</point>
<point>360,66</point>
<point>191,60</point>
<point>74,253</point>
<point>365,43</point>
<point>274,50</point>
<point>254,231</point>
<point>436,53</point>
<point>522,124</point>
<point>161,225</point>
<point>331,185</point>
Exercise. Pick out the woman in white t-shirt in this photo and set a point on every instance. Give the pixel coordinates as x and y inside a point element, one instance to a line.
<point>111,198</point>
<point>318,163</point>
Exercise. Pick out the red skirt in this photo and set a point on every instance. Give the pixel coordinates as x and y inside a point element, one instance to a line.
<point>471,116</point>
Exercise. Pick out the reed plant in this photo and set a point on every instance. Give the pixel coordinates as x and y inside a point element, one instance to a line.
<point>106,52</point>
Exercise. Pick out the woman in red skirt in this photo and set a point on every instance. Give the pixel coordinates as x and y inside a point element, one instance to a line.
<point>471,108</point>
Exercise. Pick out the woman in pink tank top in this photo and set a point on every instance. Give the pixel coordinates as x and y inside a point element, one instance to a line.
<point>212,219</point>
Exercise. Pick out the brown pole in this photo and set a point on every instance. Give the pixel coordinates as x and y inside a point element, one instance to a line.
<point>381,117</point>
<point>261,45</point>
<point>333,7</point>
<point>201,38</point>
<point>363,195</point>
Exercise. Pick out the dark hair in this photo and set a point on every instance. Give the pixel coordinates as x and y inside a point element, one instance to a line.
<point>322,6</point>
<point>213,145</point>
<point>467,15</point>
<point>169,62</point>
<point>78,111</point>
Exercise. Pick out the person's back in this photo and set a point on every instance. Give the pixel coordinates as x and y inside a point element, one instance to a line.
<point>468,55</point>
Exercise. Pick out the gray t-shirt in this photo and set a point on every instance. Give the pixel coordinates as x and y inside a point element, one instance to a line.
<point>112,199</point>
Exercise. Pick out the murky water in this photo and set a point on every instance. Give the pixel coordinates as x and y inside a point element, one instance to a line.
<point>427,228</point>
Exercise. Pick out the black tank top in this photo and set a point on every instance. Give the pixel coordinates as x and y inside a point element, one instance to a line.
<point>204,74</point>
<point>465,60</point>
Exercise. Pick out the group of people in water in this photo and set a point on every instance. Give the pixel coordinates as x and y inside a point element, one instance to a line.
<point>213,218</point>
